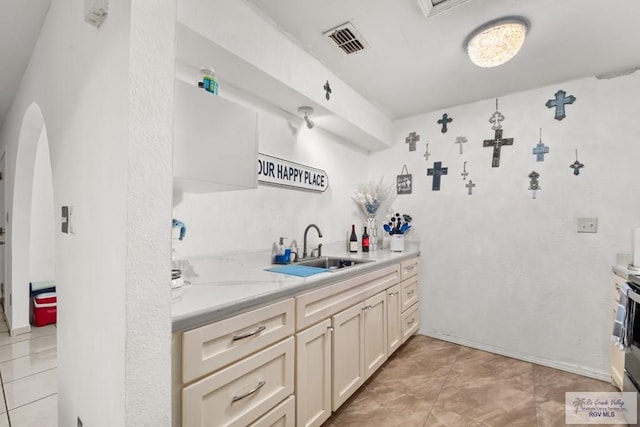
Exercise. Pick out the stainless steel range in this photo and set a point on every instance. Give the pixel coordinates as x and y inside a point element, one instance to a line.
<point>632,357</point>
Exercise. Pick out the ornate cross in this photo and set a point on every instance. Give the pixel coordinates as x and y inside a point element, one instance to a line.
<point>411,140</point>
<point>443,121</point>
<point>327,89</point>
<point>576,165</point>
<point>437,171</point>
<point>559,103</point>
<point>427,153</point>
<point>464,171</point>
<point>460,140</point>
<point>496,143</point>
<point>540,149</point>
<point>470,186</point>
<point>496,118</point>
<point>533,183</point>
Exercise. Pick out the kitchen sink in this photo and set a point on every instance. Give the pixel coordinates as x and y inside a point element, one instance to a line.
<point>332,263</point>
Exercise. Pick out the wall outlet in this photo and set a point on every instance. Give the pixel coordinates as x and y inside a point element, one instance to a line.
<point>587,225</point>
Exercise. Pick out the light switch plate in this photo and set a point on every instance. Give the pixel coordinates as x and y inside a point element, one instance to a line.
<point>587,225</point>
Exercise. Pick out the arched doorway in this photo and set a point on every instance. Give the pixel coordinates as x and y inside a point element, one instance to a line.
<point>30,230</point>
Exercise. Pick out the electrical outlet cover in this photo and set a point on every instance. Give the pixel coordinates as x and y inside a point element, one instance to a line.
<point>587,225</point>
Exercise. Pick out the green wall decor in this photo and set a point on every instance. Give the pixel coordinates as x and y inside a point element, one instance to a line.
<point>443,121</point>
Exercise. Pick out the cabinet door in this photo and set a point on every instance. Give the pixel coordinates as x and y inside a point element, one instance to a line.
<point>375,333</point>
<point>214,142</point>
<point>313,375</point>
<point>348,354</point>
<point>394,319</point>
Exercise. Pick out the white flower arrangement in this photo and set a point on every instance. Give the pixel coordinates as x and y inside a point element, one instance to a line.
<point>371,195</point>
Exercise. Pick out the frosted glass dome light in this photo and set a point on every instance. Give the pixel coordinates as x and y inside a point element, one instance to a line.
<point>497,42</point>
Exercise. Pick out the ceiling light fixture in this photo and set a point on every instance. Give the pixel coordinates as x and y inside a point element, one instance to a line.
<point>307,111</point>
<point>497,41</point>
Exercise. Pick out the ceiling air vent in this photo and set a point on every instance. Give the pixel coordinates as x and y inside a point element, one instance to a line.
<point>347,38</point>
<point>431,8</point>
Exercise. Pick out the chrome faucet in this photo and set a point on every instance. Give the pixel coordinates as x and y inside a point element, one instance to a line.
<point>304,247</point>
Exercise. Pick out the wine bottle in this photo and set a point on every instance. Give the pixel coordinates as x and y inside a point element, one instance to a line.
<point>353,240</point>
<point>365,241</point>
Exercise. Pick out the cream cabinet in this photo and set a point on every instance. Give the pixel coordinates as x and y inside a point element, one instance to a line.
<point>375,333</point>
<point>348,354</point>
<point>282,415</point>
<point>394,319</point>
<point>215,142</point>
<point>313,374</point>
<point>616,355</point>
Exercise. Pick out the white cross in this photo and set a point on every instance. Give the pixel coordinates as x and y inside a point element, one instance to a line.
<point>460,140</point>
<point>470,186</point>
<point>427,153</point>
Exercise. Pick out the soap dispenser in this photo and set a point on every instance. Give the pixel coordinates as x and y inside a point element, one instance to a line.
<point>281,246</point>
<point>283,256</point>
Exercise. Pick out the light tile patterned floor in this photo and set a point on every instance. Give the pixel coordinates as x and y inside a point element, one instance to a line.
<point>433,383</point>
<point>29,378</point>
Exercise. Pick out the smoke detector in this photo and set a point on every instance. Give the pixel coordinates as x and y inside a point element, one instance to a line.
<point>347,38</point>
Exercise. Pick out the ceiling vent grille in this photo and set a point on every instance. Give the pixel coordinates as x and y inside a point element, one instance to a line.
<point>431,8</point>
<point>347,38</point>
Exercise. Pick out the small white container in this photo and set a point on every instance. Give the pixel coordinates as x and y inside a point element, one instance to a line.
<point>397,243</point>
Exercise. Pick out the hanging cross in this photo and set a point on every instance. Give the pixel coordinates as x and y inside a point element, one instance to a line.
<point>533,183</point>
<point>427,153</point>
<point>496,143</point>
<point>464,171</point>
<point>443,121</point>
<point>437,171</point>
<point>470,186</point>
<point>559,103</point>
<point>496,118</point>
<point>540,149</point>
<point>411,140</point>
<point>460,140</point>
<point>327,89</point>
<point>576,165</point>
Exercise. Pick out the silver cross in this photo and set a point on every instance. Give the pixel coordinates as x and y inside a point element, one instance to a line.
<point>470,186</point>
<point>464,171</point>
<point>427,153</point>
<point>534,185</point>
<point>460,140</point>
<point>496,118</point>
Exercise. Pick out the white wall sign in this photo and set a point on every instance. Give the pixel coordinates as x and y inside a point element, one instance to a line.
<point>273,170</point>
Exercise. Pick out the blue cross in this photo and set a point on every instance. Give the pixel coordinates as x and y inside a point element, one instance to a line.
<point>540,150</point>
<point>443,121</point>
<point>559,103</point>
<point>436,172</point>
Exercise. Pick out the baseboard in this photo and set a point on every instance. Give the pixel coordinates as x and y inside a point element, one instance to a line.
<point>19,331</point>
<point>574,369</point>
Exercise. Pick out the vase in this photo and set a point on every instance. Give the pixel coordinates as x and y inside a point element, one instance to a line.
<point>372,227</point>
<point>397,243</point>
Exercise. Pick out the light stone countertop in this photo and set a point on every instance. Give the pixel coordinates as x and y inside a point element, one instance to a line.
<point>225,286</point>
<point>622,267</point>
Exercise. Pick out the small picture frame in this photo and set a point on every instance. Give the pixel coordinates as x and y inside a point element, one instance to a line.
<point>405,181</point>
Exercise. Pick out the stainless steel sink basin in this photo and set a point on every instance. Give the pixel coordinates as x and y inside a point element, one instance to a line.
<point>332,263</point>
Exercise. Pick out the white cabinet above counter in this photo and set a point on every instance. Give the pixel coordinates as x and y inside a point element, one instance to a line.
<point>215,142</point>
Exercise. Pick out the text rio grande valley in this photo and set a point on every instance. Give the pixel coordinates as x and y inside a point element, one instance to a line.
<point>290,173</point>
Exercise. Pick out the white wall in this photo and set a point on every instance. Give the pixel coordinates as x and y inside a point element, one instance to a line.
<point>41,246</point>
<point>252,220</point>
<point>106,98</point>
<point>500,270</point>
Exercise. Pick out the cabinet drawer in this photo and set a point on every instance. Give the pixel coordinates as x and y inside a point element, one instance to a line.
<point>282,415</point>
<point>219,344</point>
<point>408,268</point>
<point>242,392</point>
<point>410,322</point>
<point>320,304</point>
<point>409,293</point>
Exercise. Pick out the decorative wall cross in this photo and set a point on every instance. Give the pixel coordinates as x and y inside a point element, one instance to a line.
<point>327,89</point>
<point>497,143</point>
<point>427,153</point>
<point>576,165</point>
<point>443,121</point>
<point>540,149</point>
<point>437,171</point>
<point>460,140</point>
<point>534,185</point>
<point>464,171</point>
<point>411,140</point>
<point>496,118</point>
<point>559,103</point>
<point>470,186</point>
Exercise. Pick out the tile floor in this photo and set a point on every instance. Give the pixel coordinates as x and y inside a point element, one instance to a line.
<point>432,383</point>
<point>29,378</point>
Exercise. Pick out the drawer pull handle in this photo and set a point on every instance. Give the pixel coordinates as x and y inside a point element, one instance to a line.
<point>249,393</point>
<point>249,333</point>
<point>410,267</point>
<point>410,322</point>
<point>330,328</point>
<point>409,293</point>
<point>393,294</point>
<point>367,307</point>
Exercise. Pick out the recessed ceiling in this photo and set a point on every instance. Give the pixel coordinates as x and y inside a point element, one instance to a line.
<point>20,24</point>
<point>415,64</point>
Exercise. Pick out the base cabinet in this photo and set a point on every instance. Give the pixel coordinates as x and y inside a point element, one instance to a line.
<point>348,353</point>
<point>394,319</point>
<point>313,375</point>
<point>375,333</point>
